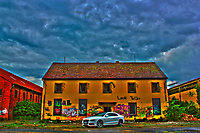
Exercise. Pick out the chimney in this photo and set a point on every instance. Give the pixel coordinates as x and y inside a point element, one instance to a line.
<point>117,61</point>
<point>97,61</point>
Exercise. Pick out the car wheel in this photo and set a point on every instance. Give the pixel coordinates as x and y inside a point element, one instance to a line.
<point>100,124</point>
<point>120,123</point>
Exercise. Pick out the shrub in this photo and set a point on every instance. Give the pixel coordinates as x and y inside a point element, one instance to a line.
<point>27,110</point>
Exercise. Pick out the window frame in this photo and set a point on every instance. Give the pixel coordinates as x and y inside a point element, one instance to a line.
<point>134,103</point>
<point>80,89</point>
<point>157,90</point>
<point>134,87</point>
<point>109,88</point>
<point>56,89</point>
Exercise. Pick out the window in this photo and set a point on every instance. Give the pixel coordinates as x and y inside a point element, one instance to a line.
<point>111,114</point>
<point>58,88</point>
<point>30,97</point>
<point>24,95</point>
<point>36,99</point>
<point>82,88</point>
<point>133,108</point>
<point>106,88</point>
<point>15,93</point>
<point>155,87</point>
<point>57,107</point>
<point>83,107</point>
<point>156,106</point>
<point>131,88</point>
<point>0,92</point>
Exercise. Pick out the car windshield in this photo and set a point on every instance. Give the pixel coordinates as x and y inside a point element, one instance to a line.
<point>101,114</point>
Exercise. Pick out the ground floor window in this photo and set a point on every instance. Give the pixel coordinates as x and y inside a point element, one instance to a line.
<point>133,108</point>
<point>82,107</point>
<point>57,107</point>
<point>156,106</point>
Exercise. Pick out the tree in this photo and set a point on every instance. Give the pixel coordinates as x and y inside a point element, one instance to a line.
<point>198,93</point>
<point>27,110</point>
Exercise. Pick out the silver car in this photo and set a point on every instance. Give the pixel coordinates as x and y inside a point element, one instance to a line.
<point>103,119</point>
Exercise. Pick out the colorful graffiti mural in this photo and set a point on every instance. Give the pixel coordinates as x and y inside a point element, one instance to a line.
<point>122,110</point>
<point>145,111</point>
<point>4,111</point>
<point>93,110</point>
<point>72,112</point>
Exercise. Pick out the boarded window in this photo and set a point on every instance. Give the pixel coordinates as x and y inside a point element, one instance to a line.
<point>83,107</point>
<point>156,106</point>
<point>133,108</point>
<point>15,93</point>
<point>82,88</point>
<point>24,95</point>
<point>155,87</point>
<point>58,88</point>
<point>0,92</point>
<point>131,88</point>
<point>106,88</point>
<point>57,107</point>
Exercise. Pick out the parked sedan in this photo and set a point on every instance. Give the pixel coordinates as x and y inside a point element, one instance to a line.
<point>103,119</point>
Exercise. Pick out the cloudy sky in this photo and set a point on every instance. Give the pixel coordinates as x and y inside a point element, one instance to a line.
<point>35,33</point>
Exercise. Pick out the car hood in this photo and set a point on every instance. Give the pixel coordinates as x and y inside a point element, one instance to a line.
<point>94,117</point>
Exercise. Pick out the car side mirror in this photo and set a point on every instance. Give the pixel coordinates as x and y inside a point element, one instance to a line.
<point>106,115</point>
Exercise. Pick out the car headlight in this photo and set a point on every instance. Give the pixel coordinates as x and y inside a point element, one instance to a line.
<point>92,120</point>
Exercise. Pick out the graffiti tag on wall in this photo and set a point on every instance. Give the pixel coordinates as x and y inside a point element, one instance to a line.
<point>126,98</point>
<point>145,111</point>
<point>122,110</point>
<point>3,112</point>
<point>94,110</point>
<point>69,112</point>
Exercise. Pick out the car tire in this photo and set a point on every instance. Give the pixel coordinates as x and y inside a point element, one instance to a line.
<point>120,122</point>
<point>100,124</point>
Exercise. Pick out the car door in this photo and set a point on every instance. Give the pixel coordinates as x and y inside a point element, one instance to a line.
<point>111,119</point>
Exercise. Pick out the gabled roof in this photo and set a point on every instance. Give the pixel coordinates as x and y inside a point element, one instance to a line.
<point>130,70</point>
<point>14,79</point>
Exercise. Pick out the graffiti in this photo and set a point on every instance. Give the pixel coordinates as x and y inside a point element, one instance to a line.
<point>49,103</point>
<point>47,109</point>
<point>64,103</point>
<point>3,112</point>
<point>69,112</point>
<point>94,110</point>
<point>121,98</point>
<point>122,110</point>
<point>145,111</point>
<point>57,103</point>
<point>134,98</point>
<point>125,98</point>
<point>82,110</point>
<point>68,103</point>
<point>156,109</point>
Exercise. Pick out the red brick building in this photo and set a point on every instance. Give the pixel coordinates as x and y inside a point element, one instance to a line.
<point>14,89</point>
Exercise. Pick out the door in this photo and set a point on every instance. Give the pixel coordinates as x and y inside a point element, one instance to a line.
<point>132,108</point>
<point>156,106</point>
<point>107,109</point>
<point>57,107</point>
<point>82,107</point>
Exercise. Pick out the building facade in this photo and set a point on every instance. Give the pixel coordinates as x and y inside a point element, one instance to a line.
<point>185,91</point>
<point>14,89</point>
<point>77,90</point>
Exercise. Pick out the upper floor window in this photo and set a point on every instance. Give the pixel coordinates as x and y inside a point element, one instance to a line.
<point>83,88</point>
<point>155,87</point>
<point>106,88</point>
<point>58,88</point>
<point>131,88</point>
<point>15,93</point>
<point>0,92</point>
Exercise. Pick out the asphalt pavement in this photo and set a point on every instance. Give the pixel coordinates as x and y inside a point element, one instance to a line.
<point>110,130</point>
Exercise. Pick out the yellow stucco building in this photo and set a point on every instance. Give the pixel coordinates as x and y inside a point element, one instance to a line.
<point>185,91</point>
<point>72,91</point>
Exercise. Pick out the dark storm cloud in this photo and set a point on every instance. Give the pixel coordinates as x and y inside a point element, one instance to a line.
<point>35,33</point>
